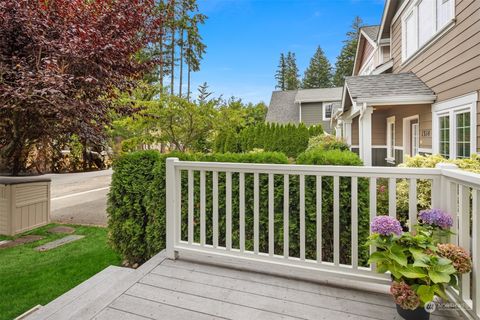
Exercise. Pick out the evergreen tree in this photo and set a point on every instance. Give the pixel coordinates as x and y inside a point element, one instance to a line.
<point>346,59</point>
<point>291,80</point>
<point>319,72</point>
<point>203,93</point>
<point>281,73</point>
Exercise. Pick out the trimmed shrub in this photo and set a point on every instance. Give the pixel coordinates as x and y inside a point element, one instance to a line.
<point>127,205</point>
<point>137,204</point>
<point>327,142</point>
<point>290,139</point>
<point>343,158</point>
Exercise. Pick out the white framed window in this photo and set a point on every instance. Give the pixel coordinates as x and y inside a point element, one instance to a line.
<point>391,138</point>
<point>327,111</point>
<point>423,21</point>
<point>454,127</point>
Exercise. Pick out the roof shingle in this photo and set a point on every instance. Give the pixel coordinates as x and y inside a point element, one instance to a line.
<point>387,85</point>
<point>371,32</point>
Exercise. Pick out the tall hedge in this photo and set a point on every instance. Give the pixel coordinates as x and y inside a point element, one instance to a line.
<point>290,139</point>
<point>138,225</point>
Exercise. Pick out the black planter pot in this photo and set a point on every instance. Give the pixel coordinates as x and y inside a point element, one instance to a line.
<point>417,314</point>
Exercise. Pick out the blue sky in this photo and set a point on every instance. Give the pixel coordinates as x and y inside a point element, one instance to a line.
<point>245,39</point>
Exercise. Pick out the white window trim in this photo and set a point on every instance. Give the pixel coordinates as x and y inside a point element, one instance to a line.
<point>406,138</point>
<point>436,35</point>
<point>451,108</point>
<point>324,111</point>
<point>390,148</point>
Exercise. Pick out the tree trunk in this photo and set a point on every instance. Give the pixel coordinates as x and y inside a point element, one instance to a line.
<point>181,63</point>
<point>162,30</point>
<point>188,82</point>
<point>172,53</point>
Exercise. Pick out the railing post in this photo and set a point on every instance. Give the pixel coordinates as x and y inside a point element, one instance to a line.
<point>441,189</point>
<point>171,203</point>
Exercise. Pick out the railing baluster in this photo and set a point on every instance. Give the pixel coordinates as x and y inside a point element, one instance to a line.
<point>215,208</point>
<point>464,235</point>
<point>476,252</point>
<point>302,217</point>
<point>256,205</point>
<point>178,209</point>
<point>373,209</point>
<point>271,217</point>
<point>453,194</point>
<point>202,208</point>
<point>392,197</point>
<point>228,209</point>
<point>242,211</point>
<point>190,206</point>
<point>286,213</point>
<point>336,220</point>
<point>318,199</point>
<point>354,222</point>
<point>412,203</point>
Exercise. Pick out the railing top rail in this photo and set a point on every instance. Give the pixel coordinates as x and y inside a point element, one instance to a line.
<point>464,177</point>
<point>360,171</point>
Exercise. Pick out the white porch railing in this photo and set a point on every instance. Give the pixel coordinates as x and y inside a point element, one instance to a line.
<point>201,226</point>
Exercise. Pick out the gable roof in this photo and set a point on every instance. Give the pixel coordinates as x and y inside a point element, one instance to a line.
<point>319,95</point>
<point>371,32</point>
<point>388,88</point>
<point>282,107</point>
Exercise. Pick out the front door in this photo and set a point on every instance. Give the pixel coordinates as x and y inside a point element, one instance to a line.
<point>415,136</point>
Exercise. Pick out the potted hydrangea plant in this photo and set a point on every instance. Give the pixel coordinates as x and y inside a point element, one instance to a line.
<point>420,266</point>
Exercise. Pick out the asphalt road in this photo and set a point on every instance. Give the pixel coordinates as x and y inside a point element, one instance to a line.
<point>80,198</point>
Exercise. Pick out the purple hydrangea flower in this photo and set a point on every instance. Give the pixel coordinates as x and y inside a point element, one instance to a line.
<point>436,217</point>
<point>386,226</point>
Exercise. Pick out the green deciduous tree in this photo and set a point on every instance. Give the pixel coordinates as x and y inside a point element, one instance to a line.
<point>319,72</point>
<point>346,59</point>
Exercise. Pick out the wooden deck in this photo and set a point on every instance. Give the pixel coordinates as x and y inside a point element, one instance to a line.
<point>166,289</point>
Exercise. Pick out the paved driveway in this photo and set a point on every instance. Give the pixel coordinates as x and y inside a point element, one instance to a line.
<point>80,198</point>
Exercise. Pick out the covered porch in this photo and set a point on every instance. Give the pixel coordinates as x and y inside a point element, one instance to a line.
<point>386,117</point>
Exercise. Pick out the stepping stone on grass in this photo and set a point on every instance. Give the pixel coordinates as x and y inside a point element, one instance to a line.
<point>19,241</point>
<point>61,229</point>
<point>58,243</point>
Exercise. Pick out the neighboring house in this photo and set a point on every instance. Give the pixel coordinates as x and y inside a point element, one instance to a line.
<point>415,84</point>
<point>309,106</point>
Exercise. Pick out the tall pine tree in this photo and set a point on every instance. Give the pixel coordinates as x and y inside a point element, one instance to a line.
<point>319,72</point>
<point>281,73</point>
<point>291,78</point>
<point>346,59</point>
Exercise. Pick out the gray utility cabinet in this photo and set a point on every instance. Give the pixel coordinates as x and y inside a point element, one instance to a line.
<point>24,204</point>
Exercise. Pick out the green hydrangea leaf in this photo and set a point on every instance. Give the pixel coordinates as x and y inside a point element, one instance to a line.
<point>425,293</point>
<point>439,277</point>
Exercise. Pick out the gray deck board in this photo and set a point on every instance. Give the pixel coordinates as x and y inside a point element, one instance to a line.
<point>177,290</point>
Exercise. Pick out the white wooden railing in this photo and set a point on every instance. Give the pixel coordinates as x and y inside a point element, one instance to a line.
<point>191,185</point>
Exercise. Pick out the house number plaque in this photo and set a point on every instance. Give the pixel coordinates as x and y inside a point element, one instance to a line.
<point>426,133</point>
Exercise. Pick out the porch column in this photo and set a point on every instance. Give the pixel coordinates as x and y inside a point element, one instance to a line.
<point>347,131</point>
<point>338,129</point>
<point>365,136</point>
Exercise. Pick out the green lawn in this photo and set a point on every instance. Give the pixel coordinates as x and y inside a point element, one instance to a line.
<point>29,278</point>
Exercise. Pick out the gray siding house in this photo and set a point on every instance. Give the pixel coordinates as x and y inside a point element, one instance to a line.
<point>308,106</point>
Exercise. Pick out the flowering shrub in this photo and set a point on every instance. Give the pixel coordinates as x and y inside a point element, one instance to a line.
<point>386,226</point>
<point>327,142</point>
<point>420,269</point>
<point>404,296</point>
<point>436,218</point>
<point>460,258</point>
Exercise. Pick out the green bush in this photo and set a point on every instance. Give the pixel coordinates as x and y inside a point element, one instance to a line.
<point>290,139</point>
<point>137,204</point>
<point>127,204</point>
<point>327,142</point>
<point>424,186</point>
